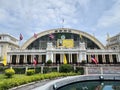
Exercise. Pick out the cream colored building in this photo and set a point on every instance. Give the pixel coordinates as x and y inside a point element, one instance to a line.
<point>114,42</point>
<point>7,43</point>
<point>44,48</point>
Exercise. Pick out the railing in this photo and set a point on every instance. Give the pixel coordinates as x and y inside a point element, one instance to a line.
<point>99,50</point>
<point>66,49</point>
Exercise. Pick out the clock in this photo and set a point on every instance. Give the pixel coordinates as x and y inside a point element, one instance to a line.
<point>63,37</point>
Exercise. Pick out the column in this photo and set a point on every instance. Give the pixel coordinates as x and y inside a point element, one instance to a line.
<point>103,58</point>
<point>32,56</point>
<point>25,59</point>
<point>18,59</point>
<point>110,57</point>
<point>89,58</point>
<point>96,56</point>
<point>61,58</point>
<point>11,59</point>
<point>39,58</point>
<point>119,56</point>
<point>54,58</point>
<point>78,58</point>
<point>69,58</point>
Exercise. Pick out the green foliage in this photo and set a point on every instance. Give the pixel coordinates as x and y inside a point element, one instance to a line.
<point>37,69</point>
<point>83,62</point>
<point>2,69</point>
<point>17,80</point>
<point>49,62</point>
<point>79,70</point>
<point>9,72</point>
<point>66,68</point>
<point>30,72</point>
<point>48,69</point>
<point>19,70</point>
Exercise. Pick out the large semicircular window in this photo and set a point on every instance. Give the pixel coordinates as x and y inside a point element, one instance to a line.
<point>41,43</point>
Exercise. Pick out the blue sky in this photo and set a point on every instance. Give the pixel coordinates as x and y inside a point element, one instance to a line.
<point>96,17</point>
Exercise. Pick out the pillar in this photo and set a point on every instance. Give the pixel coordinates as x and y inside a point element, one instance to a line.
<point>110,57</point>
<point>118,58</point>
<point>71,58</point>
<point>89,58</point>
<point>18,59</point>
<point>54,58</point>
<point>61,58</point>
<point>25,59</point>
<point>96,56</point>
<point>39,58</point>
<point>11,59</point>
<point>32,56</point>
<point>103,58</point>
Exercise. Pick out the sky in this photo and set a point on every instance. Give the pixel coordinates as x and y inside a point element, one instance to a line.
<point>96,17</point>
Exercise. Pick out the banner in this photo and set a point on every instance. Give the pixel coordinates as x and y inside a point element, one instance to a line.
<point>68,43</point>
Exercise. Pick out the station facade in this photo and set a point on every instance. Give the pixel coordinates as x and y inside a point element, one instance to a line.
<point>55,44</point>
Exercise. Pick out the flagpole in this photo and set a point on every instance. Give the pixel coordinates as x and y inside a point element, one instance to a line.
<point>20,39</point>
<point>20,44</point>
<point>63,23</point>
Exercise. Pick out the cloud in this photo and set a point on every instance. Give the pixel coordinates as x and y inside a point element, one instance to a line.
<point>111,16</point>
<point>29,16</point>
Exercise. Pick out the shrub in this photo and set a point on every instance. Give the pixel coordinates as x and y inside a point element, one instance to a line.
<point>5,84</point>
<point>47,69</point>
<point>66,68</point>
<point>83,62</point>
<point>9,72</point>
<point>79,70</point>
<point>19,70</point>
<point>37,69</point>
<point>49,62</point>
<point>30,72</point>
<point>2,69</point>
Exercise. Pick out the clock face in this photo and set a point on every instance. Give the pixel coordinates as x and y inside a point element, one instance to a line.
<point>63,37</point>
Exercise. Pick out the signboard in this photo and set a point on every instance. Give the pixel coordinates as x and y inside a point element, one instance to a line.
<point>68,43</point>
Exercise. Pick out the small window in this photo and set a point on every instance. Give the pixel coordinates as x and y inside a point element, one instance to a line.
<point>60,30</point>
<point>0,38</point>
<point>65,30</point>
<point>56,31</point>
<point>69,31</point>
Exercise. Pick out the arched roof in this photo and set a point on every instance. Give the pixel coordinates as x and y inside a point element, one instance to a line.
<point>92,38</point>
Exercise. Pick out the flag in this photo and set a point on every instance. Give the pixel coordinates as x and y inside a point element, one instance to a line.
<point>35,35</point>
<point>65,60</point>
<point>34,61</point>
<point>93,59</point>
<point>21,37</point>
<point>5,61</point>
<point>51,36</point>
